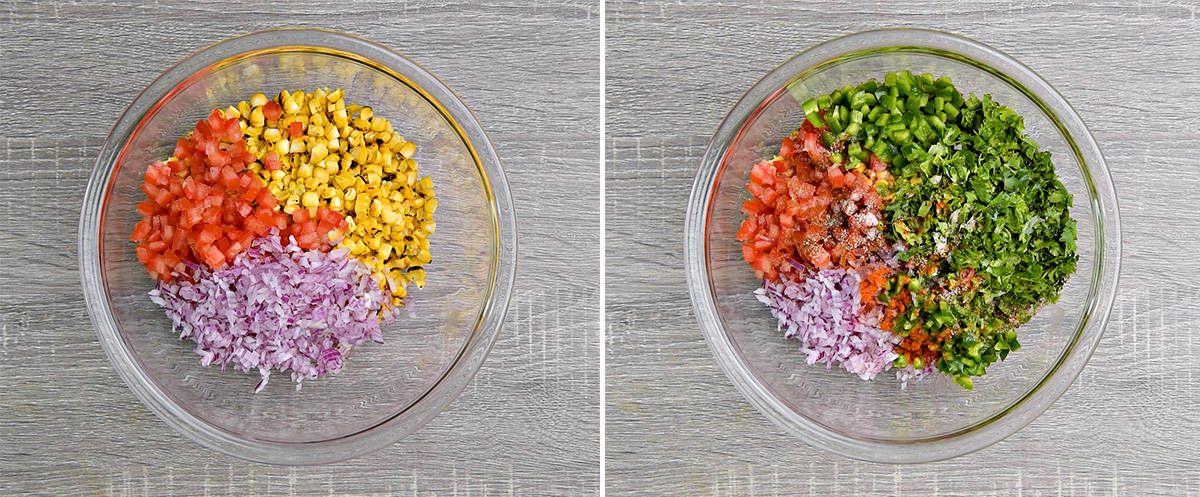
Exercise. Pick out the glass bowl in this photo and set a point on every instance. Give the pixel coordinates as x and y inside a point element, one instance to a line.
<point>385,391</point>
<point>879,421</point>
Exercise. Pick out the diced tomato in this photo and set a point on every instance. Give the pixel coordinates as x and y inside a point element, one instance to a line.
<point>786,220</point>
<point>295,129</point>
<point>787,148</point>
<point>158,266</point>
<point>300,216</point>
<point>215,120</point>
<point>209,233</point>
<point>250,186</point>
<point>238,154</point>
<point>812,145</point>
<point>323,227</point>
<point>766,195</point>
<point>235,248</point>
<point>168,232</point>
<point>851,178</point>
<point>183,148</point>
<point>819,258</point>
<point>748,253</point>
<point>762,263</point>
<point>271,161</point>
<point>216,127</point>
<point>163,197</point>
<point>179,245</point>
<point>271,110</point>
<point>230,178</point>
<point>218,157</point>
<point>330,216</point>
<point>762,173</point>
<point>158,173</point>
<point>255,225</point>
<point>807,127</point>
<point>308,240</point>
<point>140,231</point>
<point>266,199</point>
<point>150,190</point>
<point>203,190</point>
<point>222,244</point>
<point>191,217</point>
<point>835,177</point>
<point>213,256</point>
<point>147,208</point>
<point>212,215</point>
<point>877,164</point>
<point>753,207</point>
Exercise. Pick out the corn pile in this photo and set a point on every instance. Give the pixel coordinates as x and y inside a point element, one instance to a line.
<point>345,158</point>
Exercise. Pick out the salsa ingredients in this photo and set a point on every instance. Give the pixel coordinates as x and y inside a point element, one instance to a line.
<point>947,216</point>
<point>282,231</point>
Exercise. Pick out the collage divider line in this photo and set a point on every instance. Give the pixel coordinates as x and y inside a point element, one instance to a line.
<point>603,162</point>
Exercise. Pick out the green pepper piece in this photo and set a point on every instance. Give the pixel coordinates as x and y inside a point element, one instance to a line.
<point>823,102</point>
<point>904,82</point>
<point>827,139</point>
<point>855,150</point>
<point>852,129</point>
<point>874,113</point>
<point>809,106</point>
<point>815,120</point>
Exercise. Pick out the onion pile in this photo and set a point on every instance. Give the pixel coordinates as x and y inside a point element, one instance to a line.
<point>277,307</point>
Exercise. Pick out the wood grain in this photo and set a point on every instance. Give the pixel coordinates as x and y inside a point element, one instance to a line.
<point>529,422</point>
<point>676,426</point>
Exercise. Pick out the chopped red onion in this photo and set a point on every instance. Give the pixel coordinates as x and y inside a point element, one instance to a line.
<point>825,313</point>
<point>277,307</point>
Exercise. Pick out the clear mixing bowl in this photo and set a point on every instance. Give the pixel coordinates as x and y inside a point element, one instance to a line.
<point>933,418</point>
<point>385,391</point>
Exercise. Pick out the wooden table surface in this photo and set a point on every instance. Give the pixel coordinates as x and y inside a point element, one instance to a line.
<point>1129,426</point>
<point>527,425</point>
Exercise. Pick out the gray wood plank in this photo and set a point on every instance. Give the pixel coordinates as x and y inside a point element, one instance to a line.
<point>529,422</point>
<point>676,426</point>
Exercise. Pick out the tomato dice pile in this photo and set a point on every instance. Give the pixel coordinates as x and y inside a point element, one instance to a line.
<point>204,207</point>
<point>807,210</point>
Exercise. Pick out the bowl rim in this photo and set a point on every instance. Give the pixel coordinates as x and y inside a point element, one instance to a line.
<point>473,352</point>
<point>1102,201</point>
